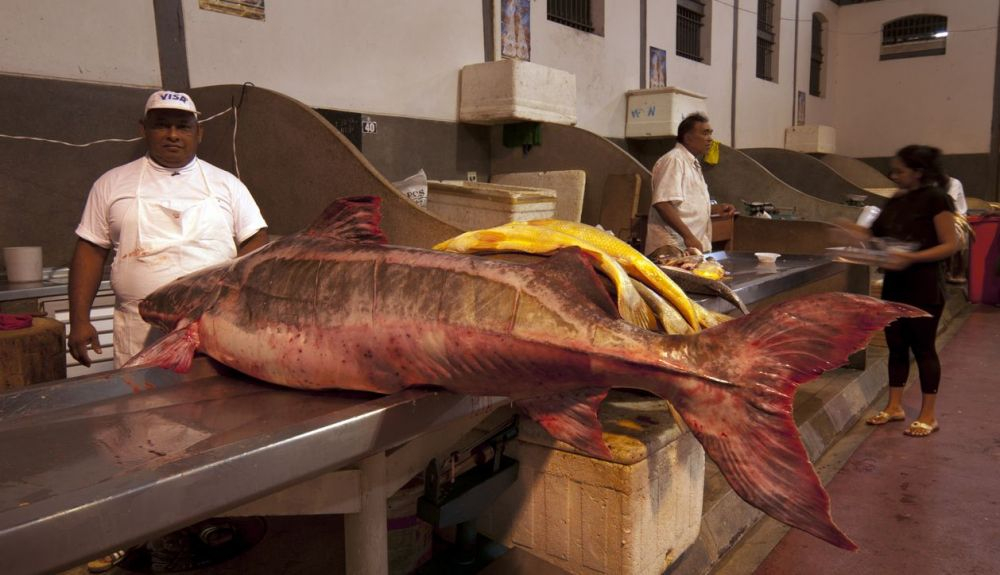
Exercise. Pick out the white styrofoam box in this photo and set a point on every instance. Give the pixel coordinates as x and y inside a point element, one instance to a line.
<point>569,186</point>
<point>811,139</point>
<point>656,112</point>
<point>634,515</point>
<point>478,205</point>
<point>516,91</point>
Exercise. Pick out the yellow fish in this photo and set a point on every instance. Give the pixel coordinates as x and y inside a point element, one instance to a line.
<point>636,264</point>
<point>518,237</point>
<point>671,320</point>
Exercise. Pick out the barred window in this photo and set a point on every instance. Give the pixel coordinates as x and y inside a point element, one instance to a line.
<point>914,36</point>
<point>572,13</point>
<point>765,39</point>
<point>690,21</point>
<point>816,56</point>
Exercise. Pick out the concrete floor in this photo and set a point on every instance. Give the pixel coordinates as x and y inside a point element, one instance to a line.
<point>913,505</point>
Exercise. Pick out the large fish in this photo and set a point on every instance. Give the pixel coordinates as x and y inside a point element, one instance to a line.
<point>331,307</point>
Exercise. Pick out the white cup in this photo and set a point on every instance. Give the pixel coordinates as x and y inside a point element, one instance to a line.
<point>868,216</point>
<point>24,263</point>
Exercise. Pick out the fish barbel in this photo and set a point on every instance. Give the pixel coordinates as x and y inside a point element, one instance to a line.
<point>331,307</point>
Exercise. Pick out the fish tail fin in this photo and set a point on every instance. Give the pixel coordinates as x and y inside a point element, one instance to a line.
<point>174,351</point>
<point>739,404</point>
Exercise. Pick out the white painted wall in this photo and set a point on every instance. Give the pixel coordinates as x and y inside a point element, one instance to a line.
<point>712,79</point>
<point>819,110</point>
<point>105,41</point>
<point>764,107</point>
<point>606,67</point>
<point>939,100</point>
<point>403,58</point>
<point>378,56</point>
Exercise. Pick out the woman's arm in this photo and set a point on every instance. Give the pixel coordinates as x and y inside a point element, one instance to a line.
<point>944,225</point>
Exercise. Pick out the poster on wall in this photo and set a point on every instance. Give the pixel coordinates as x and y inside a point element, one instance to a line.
<point>800,109</point>
<point>657,67</point>
<point>515,29</point>
<point>253,9</point>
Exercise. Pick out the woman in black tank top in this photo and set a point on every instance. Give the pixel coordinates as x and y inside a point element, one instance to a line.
<point>921,213</point>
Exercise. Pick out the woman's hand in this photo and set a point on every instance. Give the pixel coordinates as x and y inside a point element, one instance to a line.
<point>899,261</point>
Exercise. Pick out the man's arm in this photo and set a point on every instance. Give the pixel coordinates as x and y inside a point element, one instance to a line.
<point>723,209</point>
<point>253,242</point>
<point>85,274</point>
<point>668,212</point>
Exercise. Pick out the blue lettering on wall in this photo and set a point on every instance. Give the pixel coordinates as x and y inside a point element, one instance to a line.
<point>651,111</point>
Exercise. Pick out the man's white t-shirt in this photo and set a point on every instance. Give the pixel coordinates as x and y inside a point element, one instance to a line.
<point>677,179</point>
<point>957,193</point>
<point>176,188</point>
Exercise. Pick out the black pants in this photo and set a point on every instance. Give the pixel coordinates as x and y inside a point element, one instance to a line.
<point>918,335</point>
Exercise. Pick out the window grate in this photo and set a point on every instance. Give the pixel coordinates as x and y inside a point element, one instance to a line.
<point>765,55</point>
<point>816,58</point>
<point>765,16</point>
<point>916,28</point>
<point>690,14</point>
<point>765,39</point>
<point>572,13</point>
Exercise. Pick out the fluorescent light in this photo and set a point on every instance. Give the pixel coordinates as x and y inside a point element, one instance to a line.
<point>941,35</point>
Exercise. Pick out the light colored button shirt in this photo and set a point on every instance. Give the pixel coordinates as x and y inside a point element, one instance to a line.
<point>957,193</point>
<point>677,179</point>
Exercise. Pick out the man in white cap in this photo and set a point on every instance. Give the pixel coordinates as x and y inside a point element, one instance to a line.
<point>166,214</point>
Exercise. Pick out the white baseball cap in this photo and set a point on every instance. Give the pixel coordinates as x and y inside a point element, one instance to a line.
<point>167,100</point>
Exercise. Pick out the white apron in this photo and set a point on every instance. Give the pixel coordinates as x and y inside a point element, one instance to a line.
<point>158,245</point>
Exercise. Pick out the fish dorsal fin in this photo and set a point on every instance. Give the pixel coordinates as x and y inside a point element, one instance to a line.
<point>576,269</point>
<point>353,219</point>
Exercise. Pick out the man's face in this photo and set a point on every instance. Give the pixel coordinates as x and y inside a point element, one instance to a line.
<point>699,139</point>
<point>172,137</point>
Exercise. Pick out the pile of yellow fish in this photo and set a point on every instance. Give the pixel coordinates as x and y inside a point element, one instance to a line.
<point>646,296</point>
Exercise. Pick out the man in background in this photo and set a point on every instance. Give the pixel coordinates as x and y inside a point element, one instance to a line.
<point>680,211</point>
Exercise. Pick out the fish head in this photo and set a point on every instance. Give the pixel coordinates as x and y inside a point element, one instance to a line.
<point>185,298</point>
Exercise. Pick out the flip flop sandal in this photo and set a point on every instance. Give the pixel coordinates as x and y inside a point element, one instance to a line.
<point>920,429</point>
<point>883,417</point>
<point>106,563</point>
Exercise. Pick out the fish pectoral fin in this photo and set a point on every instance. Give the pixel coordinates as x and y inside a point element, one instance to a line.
<point>174,351</point>
<point>572,418</point>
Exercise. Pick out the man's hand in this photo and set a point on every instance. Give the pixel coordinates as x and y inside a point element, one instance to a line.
<point>723,209</point>
<point>79,338</point>
<point>694,247</point>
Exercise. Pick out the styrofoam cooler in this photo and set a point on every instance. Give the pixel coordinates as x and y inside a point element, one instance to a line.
<point>633,515</point>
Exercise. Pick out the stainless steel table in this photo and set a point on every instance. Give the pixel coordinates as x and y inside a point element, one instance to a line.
<point>753,281</point>
<point>100,462</point>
